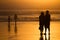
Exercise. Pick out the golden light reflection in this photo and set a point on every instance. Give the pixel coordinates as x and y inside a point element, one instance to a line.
<point>47,34</point>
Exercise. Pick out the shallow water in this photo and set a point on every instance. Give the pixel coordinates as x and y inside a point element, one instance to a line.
<point>27,31</point>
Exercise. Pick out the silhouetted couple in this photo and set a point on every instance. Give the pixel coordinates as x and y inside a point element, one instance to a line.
<point>44,21</point>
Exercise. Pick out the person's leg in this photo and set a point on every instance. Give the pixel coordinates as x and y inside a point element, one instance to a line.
<point>45,29</point>
<point>41,29</point>
<point>41,32</point>
<point>49,30</point>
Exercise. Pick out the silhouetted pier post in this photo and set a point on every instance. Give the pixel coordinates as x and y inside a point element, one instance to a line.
<point>15,17</point>
<point>8,23</point>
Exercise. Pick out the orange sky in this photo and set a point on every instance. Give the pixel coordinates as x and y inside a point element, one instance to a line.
<point>29,4</point>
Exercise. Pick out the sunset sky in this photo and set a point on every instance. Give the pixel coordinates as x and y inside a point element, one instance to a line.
<point>29,4</point>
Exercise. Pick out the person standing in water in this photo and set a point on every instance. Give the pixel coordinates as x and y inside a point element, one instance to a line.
<point>41,22</point>
<point>47,21</point>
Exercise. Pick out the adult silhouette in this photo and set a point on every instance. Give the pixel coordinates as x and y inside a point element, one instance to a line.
<point>8,23</point>
<point>47,21</point>
<point>41,22</point>
<point>15,17</point>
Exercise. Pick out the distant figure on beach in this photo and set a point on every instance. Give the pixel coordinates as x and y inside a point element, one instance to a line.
<point>8,23</point>
<point>15,17</point>
<point>47,21</point>
<point>41,22</point>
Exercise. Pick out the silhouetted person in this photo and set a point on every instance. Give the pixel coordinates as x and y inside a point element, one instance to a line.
<point>15,17</point>
<point>8,23</point>
<point>41,22</point>
<point>47,21</point>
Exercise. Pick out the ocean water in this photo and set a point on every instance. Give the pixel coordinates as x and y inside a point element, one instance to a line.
<point>27,15</point>
<point>27,31</point>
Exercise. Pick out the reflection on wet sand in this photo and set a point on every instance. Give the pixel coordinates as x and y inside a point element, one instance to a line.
<point>12,37</point>
<point>28,31</point>
<point>44,37</point>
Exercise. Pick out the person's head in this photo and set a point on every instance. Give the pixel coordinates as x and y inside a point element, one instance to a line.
<point>47,12</point>
<point>42,13</point>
